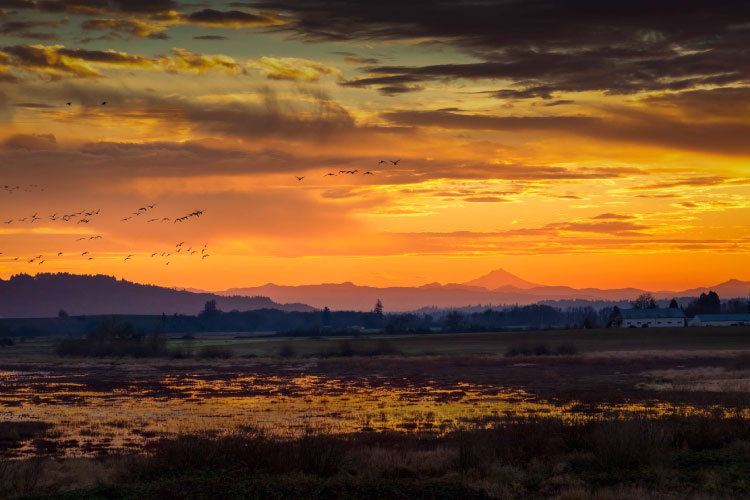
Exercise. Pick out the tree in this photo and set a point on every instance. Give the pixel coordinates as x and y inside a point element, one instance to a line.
<point>326,316</point>
<point>378,309</point>
<point>453,321</point>
<point>62,314</point>
<point>673,304</point>
<point>644,301</point>
<point>210,309</point>
<point>707,303</point>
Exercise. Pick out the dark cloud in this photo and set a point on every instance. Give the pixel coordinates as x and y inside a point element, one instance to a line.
<point>232,18</point>
<point>548,46</point>
<point>31,141</point>
<point>611,216</point>
<point>446,119</point>
<point>633,126</point>
<point>209,37</point>
<point>107,6</point>
<point>17,4</point>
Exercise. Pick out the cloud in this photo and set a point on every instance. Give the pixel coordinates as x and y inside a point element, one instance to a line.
<point>59,61</point>
<point>611,216</point>
<point>24,29</point>
<point>231,19</point>
<point>31,141</point>
<point>209,37</point>
<point>623,125</point>
<point>107,6</point>
<point>118,27</point>
<point>292,68</point>
<point>544,47</point>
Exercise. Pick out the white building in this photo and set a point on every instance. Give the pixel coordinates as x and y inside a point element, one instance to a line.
<point>720,320</point>
<point>650,318</point>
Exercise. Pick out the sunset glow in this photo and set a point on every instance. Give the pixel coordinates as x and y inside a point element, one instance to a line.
<point>621,161</point>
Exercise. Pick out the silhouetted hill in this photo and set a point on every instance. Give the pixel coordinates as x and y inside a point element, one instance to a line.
<point>434,295</point>
<point>500,278</point>
<point>44,295</point>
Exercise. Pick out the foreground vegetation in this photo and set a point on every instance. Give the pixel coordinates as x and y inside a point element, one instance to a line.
<point>645,456</point>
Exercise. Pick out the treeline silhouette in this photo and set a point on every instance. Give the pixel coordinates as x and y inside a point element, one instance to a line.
<point>25,296</point>
<point>297,323</point>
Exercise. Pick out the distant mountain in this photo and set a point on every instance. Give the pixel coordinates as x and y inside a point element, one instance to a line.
<point>481,291</point>
<point>500,278</point>
<point>44,295</point>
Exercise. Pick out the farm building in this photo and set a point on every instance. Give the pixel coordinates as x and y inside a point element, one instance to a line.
<point>720,320</point>
<point>642,318</point>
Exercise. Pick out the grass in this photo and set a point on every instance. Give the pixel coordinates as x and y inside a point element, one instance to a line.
<point>494,343</point>
<point>507,457</point>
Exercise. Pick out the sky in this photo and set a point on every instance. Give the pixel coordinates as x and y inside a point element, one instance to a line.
<point>584,143</point>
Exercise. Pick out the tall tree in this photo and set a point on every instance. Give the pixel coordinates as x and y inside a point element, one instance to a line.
<point>378,309</point>
<point>644,301</point>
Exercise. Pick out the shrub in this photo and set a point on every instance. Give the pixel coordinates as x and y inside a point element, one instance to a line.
<point>287,350</point>
<point>214,352</point>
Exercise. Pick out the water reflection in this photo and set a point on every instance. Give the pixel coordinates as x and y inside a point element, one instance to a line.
<point>88,419</point>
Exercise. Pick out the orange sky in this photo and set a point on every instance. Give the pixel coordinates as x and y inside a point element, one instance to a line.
<point>610,161</point>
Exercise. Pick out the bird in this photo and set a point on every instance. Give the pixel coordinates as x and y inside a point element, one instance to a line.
<point>368,173</point>
<point>194,251</point>
<point>90,258</point>
<point>129,256</point>
<point>152,220</point>
<point>205,256</point>
<point>300,178</point>
<point>126,218</point>
<point>59,254</point>
<point>382,161</point>
<point>41,262</point>
<point>329,173</point>
<point>166,264</point>
<point>9,221</point>
<point>180,244</point>
<point>153,254</point>
<point>152,205</point>
<point>104,102</point>
<point>84,253</point>
<point>395,162</point>
<point>82,238</point>
<point>165,219</point>
<point>343,171</point>
<point>68,103</point>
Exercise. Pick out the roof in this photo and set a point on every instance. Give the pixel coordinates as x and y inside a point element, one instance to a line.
<point>652,313</point>
<point>723,317</point>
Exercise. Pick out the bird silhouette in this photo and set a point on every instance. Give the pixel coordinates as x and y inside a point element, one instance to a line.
<point>300,178</point>
<point>368,173</point>
<point>153,254</point>
<point>9,221</point>
<point>180,244</point>
<point>205,256</point>
<point>59,254</point>
<point>329,173</point>
<point>395,162</point>
<point>104,102</point>
<point>382,161</point>
<point>129,256</point>
<point>42,262</point>
<point>84,253</point>
<point>68,103</point>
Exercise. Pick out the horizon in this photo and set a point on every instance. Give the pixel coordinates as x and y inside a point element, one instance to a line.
<point>416,285</point>
<point>487,151</point>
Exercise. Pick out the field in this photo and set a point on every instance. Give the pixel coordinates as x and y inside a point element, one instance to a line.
<point>640,413</point>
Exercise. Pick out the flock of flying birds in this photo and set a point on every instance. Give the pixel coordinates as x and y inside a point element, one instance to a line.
<point>352,172</point>
<point>85,217</point>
